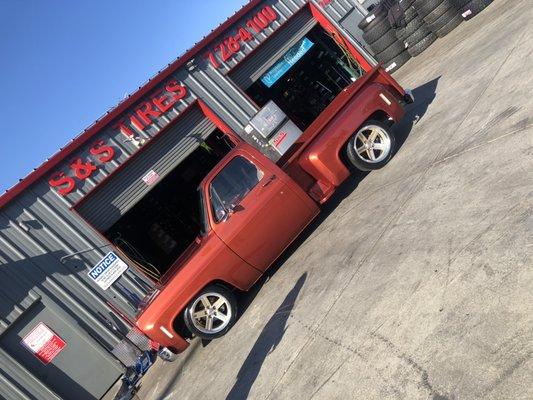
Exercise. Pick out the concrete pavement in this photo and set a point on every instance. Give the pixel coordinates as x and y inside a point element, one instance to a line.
<point>416,282</point>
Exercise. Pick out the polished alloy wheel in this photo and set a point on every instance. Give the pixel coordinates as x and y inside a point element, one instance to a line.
<point>210,313</point>
<point>372,144</point>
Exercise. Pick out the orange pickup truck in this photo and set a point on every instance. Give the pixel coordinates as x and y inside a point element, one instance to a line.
<point>254,208</point>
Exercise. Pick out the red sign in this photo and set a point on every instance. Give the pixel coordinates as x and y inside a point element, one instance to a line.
<point>82,169</point>
<point>280,138</point>
<point>159,103</point>
<point>43,343</point>
<point>232,44</point>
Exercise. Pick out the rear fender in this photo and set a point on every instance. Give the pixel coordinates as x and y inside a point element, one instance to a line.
<point>322,158</point>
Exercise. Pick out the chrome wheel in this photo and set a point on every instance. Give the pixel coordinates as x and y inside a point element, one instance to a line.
<point>210,313</point>
<point>372,144</point>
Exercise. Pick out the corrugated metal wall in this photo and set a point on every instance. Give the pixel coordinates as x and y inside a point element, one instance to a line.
<point>46,249</point>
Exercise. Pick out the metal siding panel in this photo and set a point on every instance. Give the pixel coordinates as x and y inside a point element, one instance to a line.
<point>240,99</point>
<point>39,271</point>
<point>16,382</point>
<point>31,271</point>
<point>52,236</point>
<point>123,190</point>
<point>252,68</point>
<point>334,11</point>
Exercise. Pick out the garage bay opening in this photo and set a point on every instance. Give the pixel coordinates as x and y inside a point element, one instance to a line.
<point>157,230</point>
<point>307,78</point>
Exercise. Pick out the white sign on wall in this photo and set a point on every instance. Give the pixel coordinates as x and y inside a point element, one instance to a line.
<point>108,270</point>
<point>151,177</point>
<point>42,342</point>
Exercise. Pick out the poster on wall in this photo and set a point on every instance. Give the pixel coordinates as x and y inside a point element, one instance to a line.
<point>150,178</point>
<point>290,58</point>
<point>43,343</point>
<point>108,270</point>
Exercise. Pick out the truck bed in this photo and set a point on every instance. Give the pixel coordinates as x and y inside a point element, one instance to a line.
<point>313,144</point>
<point>377,74</point>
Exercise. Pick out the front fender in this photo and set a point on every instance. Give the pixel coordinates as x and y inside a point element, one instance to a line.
<point>212,261</point>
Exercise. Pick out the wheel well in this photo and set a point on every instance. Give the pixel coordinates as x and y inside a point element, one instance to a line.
<point>381,116</point>
<point>179,322</point>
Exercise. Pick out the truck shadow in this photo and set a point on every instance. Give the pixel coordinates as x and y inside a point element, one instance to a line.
<point>424,96</point>
<point>266,343</point>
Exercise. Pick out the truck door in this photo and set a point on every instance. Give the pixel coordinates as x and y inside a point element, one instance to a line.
<point>254,207</point>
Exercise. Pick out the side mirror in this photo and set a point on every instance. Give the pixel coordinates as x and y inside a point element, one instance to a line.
<point>222,214</point>
<point>233,208</point>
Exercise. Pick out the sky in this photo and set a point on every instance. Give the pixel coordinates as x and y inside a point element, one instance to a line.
<point>64,63</point>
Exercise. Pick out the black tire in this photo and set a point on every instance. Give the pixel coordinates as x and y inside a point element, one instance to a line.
<point>378,12</point>
<point>410,14</point>
<point>411,28</point>
<point>473,8</point>
<point>440,10</point>
<point>450,26</point>
<point>376,29</point>
<point>416,37</point>
<point>390,52</point>
<point>406,4</point>
<point>418,47</point>
<point>443,20</point>
<point>395,64</point>
<point>228,309</point>
<point>460,3</point>
<point>424,7</point>
<point>355,142</point>
<point>383,42</point>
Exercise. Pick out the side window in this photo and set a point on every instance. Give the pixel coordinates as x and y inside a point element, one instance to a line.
<point>232,184</point>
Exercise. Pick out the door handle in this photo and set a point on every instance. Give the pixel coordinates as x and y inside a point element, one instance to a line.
<point>269,180</point>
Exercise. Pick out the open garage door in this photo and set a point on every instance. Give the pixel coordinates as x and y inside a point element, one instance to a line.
<point>252,68</point>
<point>125,188</point>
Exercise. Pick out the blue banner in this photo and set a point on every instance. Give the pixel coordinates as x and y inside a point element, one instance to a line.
<point>290,58</point>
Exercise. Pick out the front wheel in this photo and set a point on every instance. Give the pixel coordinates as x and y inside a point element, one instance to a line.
<point>211,313</point>
<point>371,147</point>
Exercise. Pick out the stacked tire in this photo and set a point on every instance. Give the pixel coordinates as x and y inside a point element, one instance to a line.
<point>382,39</point>
<point>416,36</point>
<point>441,15</point>
<point>470,8</point>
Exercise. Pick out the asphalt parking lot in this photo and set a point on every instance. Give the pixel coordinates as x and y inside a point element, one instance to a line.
<point>416,282</point>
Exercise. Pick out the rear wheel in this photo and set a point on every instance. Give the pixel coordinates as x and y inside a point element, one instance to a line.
<point>371,147</point>
<point>211,313</point>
